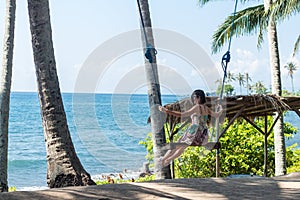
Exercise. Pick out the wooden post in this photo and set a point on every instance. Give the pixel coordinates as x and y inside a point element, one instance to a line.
<point>266,147</point>
<point>217,151</point>
<point>218,162</point>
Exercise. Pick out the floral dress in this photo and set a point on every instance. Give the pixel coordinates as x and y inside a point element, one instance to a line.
<point>197,132</point>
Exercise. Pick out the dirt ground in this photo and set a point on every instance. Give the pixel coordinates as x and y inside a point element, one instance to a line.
<point>285,187</point>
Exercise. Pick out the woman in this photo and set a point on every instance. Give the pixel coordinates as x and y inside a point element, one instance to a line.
<point>197,133</point>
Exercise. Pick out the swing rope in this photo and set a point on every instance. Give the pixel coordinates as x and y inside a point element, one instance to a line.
<point>150,50</point>
<point>224,63</point>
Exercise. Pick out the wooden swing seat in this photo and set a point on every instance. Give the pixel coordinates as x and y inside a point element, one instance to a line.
<point>208,146</point>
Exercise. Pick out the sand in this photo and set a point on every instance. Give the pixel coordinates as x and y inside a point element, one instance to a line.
<point>285,187</point>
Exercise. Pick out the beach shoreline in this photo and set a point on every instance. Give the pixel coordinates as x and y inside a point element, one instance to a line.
<point>127,175</point>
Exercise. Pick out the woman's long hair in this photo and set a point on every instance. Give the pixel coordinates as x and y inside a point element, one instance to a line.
<point>199,93</point>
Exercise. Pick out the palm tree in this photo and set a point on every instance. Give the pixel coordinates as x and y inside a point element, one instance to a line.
<point>247,77</point>
<point>279,140</point>
<point>246,22</point>
<point>241,79</point>
<point>259,88</point>
<point>283,9</point>
<point>230,77</point>
<point>5,88</point>
<point>63,165</point>
<point>154,94</point>
<point>279,11</point>
<point>291,67</point>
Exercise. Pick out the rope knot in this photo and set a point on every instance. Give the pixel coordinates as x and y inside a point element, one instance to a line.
<point>226,57</point>
<point>149,51</point>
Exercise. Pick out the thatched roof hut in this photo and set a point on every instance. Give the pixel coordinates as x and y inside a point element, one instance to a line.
<point>246,107</point>
<point>251,105</point>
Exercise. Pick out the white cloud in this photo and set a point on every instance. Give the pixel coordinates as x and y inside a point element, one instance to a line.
<point>247,62</point>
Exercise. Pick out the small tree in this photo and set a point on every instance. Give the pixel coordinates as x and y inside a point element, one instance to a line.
<point>241,80</point>
<point>248,79</point>
<point>291,67</point>
<point>259,88</point>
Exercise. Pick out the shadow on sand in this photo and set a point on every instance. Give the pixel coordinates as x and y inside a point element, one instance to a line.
<point>210,188</point>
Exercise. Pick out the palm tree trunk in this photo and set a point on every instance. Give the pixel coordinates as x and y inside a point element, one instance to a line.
<point>292,80</point>
<point>63,165</point>
<point>154,96</point>
<point>5,88</point>
<point>279,140</point>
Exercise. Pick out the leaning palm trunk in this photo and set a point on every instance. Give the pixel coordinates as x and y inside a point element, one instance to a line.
<point>63,166</point>
<point>5,87</point>
<point>279,141</point>
<point>292,81</point>
<point>154,96</point>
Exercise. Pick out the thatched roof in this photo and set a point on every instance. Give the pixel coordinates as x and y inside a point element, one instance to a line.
<point>252,105</point>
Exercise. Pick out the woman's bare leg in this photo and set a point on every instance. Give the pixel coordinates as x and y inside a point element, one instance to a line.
<point>175,154</point>
<point>205,141</point>
<point>169,152</point>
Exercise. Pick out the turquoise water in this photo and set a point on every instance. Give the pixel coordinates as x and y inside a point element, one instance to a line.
<point>106,133</point>
<point>105,130</point>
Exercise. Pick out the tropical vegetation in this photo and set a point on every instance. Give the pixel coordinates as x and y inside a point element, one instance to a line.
<point>242,152</point>
<point>259,19</point>
<point>242,146</point>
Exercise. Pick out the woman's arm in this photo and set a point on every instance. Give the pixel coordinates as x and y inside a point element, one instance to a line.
<point>216,114</point>
<point>177,113</point>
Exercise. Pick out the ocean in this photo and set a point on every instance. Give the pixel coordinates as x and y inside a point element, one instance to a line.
<point>105,130</point>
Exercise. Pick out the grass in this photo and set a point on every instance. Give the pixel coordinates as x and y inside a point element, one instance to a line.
<point>119,180</point>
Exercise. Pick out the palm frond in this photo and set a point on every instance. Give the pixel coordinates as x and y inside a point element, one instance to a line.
<point>203,2</point>
<point>282,9</point>
<point>246,22</point>
<point>296,47</point>
<point>260,38</point>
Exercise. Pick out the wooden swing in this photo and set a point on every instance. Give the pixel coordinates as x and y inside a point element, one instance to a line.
<point>247,107</point>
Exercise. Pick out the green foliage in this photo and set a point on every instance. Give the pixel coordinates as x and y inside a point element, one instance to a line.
<point>259,88</point>
<point>115,180</point>
<point>12,189</point>
<point>228,89</point>
<point>287,93</point>
<point>294,160</point>
<point>195,162</point>
<point>242,152</point>
<point>118,180</point>
<point>148,144</point>
<point>146,178</point>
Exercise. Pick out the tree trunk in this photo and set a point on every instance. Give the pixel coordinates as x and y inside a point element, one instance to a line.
<point>5,88</point>
<point>63,166</point>
<point>154,96</point>
<point>292,80</point>
<point>279,140</point>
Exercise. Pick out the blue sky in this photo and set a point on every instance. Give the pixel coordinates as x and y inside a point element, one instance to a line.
<point>79,27</point>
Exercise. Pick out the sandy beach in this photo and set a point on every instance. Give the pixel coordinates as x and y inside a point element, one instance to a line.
<point>285,187</point>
